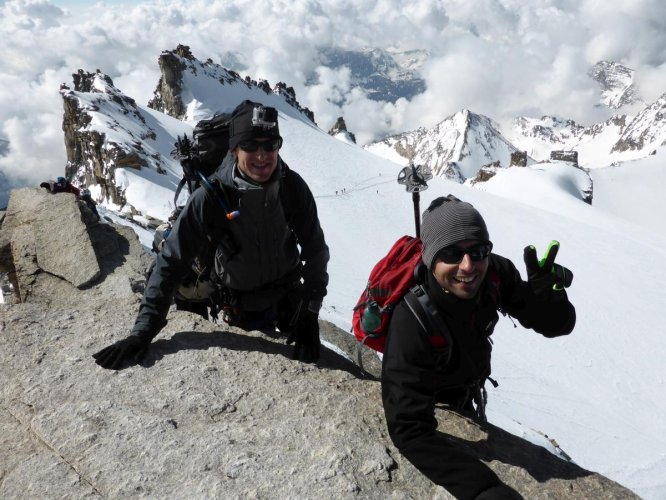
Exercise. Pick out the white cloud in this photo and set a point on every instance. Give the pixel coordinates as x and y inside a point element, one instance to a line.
<point>502,58</point>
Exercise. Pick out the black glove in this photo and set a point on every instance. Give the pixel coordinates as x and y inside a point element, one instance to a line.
<point>305,335</point>
<point>502,492</point>
<point>545,275</point>
<point>131,349</point>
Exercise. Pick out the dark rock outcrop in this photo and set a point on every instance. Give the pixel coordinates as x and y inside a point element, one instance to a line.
<point>340,127</point>
<point>518,159</point>
<point>567,156</point>
<point>485,173</point>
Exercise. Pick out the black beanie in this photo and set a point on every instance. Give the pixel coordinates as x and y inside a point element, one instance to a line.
<point>448,221</point>
<point>246,124</point>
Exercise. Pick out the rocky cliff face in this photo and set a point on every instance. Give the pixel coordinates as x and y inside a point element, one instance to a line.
<point>94,156</point>
<point>179,65</point>
<point>213,411</point>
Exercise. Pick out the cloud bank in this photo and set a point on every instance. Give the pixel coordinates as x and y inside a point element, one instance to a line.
<point>501,58</point>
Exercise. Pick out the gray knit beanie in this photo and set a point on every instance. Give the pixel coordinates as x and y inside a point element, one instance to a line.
<point>447,221</point>
<point>247,123</point>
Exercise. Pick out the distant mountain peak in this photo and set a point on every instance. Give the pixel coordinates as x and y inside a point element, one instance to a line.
<point>186,82</point>
<point>617,84</point>
<point>455,148</point>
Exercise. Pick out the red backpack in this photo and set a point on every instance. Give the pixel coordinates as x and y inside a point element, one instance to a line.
<point>392,279</point>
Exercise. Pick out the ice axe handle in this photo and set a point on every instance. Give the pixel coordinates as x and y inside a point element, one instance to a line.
<point>416,198</point>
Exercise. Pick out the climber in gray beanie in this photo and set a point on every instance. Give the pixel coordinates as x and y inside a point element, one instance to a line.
<point>447,221</point>
<point>438,354</point>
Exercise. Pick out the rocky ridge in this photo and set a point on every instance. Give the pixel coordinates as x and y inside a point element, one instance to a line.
<point>622,137</point>
<point>105,130</point>
<point>176,66</point>
<point>340,128</point>
<point>213,410</point>
<point>92,156</point>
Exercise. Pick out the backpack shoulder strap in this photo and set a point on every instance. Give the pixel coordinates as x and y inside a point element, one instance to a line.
<point>181,184</point>
<point>216,191</point>
<point>430,319</point>
<point>287,196</point>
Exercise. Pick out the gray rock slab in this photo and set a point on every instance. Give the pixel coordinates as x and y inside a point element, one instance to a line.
<point>62,242</point>
<point>58,260</point>
<point>218,412</point>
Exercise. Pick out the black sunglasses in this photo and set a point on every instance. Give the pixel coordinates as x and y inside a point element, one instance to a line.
<point>267,146</point>
<point>455,255</point>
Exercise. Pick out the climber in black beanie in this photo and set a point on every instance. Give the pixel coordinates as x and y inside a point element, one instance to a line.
<point>262,233</point>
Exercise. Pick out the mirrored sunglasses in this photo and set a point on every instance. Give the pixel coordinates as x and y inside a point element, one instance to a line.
<point>455,255</point>
<point>267,146</point>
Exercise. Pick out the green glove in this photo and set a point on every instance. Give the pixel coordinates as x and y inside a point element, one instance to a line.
<point>130,349</point>
<point>305,336</point>
<point>545,274</point>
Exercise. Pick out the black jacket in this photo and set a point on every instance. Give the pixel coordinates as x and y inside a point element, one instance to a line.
<point>416,376</point>
<point>275,218</point>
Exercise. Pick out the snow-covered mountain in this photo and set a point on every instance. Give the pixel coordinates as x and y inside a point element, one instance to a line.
<point>619,139</point>
<point>645,133</point>
<point>617,83</point>
<point>191,90</point>
<point>461,144</point>
<point>456,148</point>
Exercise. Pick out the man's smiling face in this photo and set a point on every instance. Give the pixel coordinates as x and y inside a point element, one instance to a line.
<point>464,278</point>
<point>258,165</point>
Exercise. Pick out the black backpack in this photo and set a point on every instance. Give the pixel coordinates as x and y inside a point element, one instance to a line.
<point>201,156</point>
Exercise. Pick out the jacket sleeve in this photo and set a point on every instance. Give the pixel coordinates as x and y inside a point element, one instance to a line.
<point>408,389</point>
<point>173,263</point>
<point>305,223</point>
<point>549,313</point>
